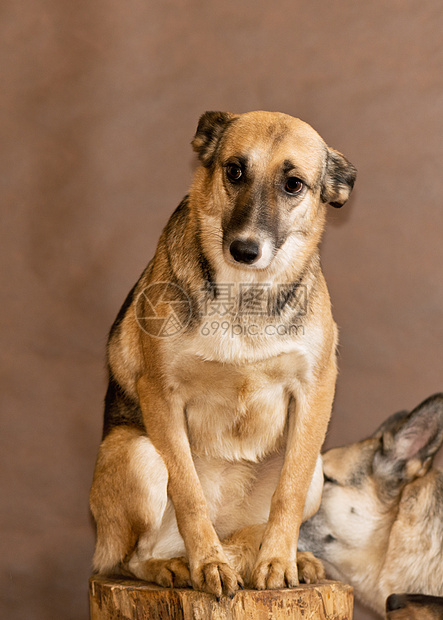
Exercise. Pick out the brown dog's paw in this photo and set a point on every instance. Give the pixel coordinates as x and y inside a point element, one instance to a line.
<point>274,574</point>
<point>310,569</point>
<point>216,578</point>
<point>173,573</point>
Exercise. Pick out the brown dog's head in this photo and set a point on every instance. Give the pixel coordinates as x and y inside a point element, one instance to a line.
<point>263,182</point>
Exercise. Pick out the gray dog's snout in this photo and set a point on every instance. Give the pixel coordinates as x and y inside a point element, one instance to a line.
<point>245,250</point>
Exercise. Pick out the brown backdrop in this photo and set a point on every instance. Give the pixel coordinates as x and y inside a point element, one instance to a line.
<point>99,101</point>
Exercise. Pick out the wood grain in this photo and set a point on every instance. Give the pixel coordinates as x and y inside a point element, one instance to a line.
<point>125,599</point>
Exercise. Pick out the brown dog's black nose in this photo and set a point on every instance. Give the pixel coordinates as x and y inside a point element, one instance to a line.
<point>244,251</point>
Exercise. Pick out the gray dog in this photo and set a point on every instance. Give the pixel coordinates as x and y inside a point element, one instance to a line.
<point>380,524</point>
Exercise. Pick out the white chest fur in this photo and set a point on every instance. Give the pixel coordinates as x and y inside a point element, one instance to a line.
<point>236,410</point>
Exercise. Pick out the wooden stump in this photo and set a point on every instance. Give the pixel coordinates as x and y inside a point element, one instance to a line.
<point>125,599</point>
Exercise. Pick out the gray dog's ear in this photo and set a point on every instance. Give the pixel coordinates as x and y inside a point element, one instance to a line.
<point>409,445</point>
<point>422,433</point>
<point>211,127</point>
<point>392,424</point>
<point>339,179</point>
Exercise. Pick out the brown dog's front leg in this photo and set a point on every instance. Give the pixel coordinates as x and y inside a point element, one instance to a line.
<point>165,423</point>
<point>276,565</point>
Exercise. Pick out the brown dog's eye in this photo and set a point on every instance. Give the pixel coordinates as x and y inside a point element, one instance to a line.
<point>293,185</point>
<point>234,172</point>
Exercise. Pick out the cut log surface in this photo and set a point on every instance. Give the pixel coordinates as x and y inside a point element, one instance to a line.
<point>125,599</point>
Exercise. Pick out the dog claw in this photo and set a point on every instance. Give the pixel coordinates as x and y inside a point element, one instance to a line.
<point>310,569</point>
<point>274,575</point>
<point>216,578</point>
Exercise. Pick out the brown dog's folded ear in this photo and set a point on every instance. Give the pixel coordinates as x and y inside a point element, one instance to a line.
<point>339,179</point>
<point>211,127</point>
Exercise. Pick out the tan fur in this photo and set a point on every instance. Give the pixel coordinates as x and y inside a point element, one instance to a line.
<point>380,524</point>
<point>414,607</point>
<point>232,424</point>
<point>415,612</point>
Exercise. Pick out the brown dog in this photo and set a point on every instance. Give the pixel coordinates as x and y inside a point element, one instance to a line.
<point>222,365</point>
<point>380,523</point>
